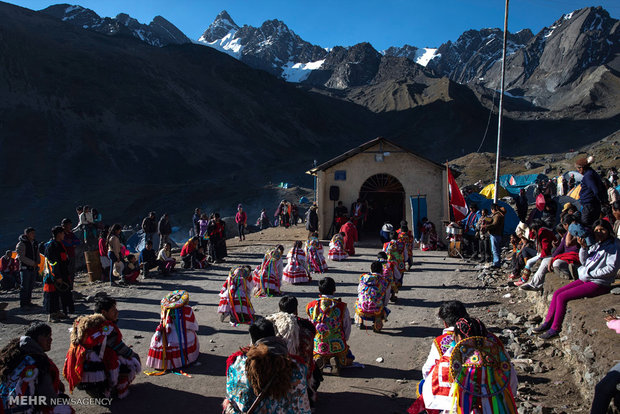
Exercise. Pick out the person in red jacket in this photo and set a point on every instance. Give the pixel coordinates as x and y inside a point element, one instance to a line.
<point>544,248</point>
<point>9,269</point>
<point>350,236</point>
<point>189,252</point>
<point>242,222</point>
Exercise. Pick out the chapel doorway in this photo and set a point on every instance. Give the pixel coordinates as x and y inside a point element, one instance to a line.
<point>385,197</point>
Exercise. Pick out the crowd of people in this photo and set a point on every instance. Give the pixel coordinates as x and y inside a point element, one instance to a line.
<point>467,370</point>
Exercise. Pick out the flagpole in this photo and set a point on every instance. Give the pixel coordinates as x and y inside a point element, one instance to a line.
<point>448,190</point>
<point>501,105</point>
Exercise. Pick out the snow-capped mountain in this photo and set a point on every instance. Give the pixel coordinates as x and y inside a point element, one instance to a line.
<point>564,63</point>
<point>272,47</point>
<point>472,55</point>
<point>160,32</point>
<point>420,56</point>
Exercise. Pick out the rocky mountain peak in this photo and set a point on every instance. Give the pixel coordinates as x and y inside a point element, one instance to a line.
<point>160,32</point>
<point>221,26</point>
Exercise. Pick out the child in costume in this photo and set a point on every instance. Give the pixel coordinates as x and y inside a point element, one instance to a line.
<point>235,296</point>
<point>388,276</point>
<point>175,343</point>
<point>332,321</point>
<point>370,304</point>
<point>395,255</point>
<point>336,248</point>
<point>429,236</point>
<point>405,236</point>
<point>296,270</point>
<point>314,253</point>
<point>267,277</point>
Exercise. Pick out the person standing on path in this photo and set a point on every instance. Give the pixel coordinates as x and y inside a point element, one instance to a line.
<point>591,193</point>
<point>312,220</point>
<point>56,283</point>
<point>114,249</point>
<point>165,230</point>
<point>71,241</point>
<point>242,221</point>
<point>28,255</point>
<point>149,226</point>
<point>496,228</point>
<point>350,236</point>
<point>195,222</point>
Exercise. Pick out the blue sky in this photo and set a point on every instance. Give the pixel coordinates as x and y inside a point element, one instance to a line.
<point>384,23</point>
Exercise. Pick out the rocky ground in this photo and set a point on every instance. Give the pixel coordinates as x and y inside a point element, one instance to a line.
<point>388,386</point>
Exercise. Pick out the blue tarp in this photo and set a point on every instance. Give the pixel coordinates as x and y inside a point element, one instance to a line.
<point>514,183</point>
<point>511,220</point>
<point>418,212</point>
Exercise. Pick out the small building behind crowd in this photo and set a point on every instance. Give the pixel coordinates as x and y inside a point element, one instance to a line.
<point>385,175</point>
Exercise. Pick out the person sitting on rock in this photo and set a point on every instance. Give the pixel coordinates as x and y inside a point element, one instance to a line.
<point>167,262</point>
<point>600,264</point>
<point>189,252</point>
<point>264,378</point>
<point>332,321</point>
<point>131,271</point>
<point>544,238</point>
<point>235,296</point>
<point>565,254</point>
<point>148,258</point>
<point>267,277</point>
<point>370,303</point>
<point>9,271</point>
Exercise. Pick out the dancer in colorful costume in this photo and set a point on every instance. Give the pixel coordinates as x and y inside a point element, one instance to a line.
<point>473,376</point>
<point>388,276</point>
<point>235,296</point>
<point>267,277</point>
<point>395,255</point>
<point>175,343</point>
<point>370,304</point>
<point>98,361</point>
<point>296,270</point>
<point>27,372</point>
<point>405,236</point>
<point>264,378</point>
<point>429,236</point>
<point>336,248</point>
<point>314,253</point>
<point>332,321</point>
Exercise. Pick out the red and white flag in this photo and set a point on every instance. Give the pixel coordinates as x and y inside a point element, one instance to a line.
<point>457,201</point>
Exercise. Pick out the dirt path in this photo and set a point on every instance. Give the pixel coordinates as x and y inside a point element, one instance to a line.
<point>386,387</point>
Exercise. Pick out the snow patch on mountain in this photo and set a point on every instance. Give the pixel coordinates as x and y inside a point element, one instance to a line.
<point>424,55</point>
<point>228,44</point>
<point>299,72</point>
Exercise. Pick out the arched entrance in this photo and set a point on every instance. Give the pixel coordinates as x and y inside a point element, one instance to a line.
<point>386,201</point>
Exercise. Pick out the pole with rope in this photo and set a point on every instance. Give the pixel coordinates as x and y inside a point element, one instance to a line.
<point>501,106</point>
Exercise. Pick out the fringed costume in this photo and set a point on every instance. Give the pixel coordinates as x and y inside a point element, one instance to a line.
<point>314,253</point>
<point>235,296</point>
<point>267,277</point>
<point>370,304</point>
<point>296,270</point>
<point>336,248</point>
<point>332,321</point>
<point>94,363</point>
<point>175,343</point>
<point>395,253</point>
